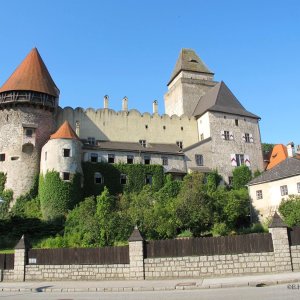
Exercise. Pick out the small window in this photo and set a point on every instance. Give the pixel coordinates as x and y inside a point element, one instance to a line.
<point>284,190</point>
<point>236,122</point>
<point>181,128</point>
<point>94,157</point>
<point>46,155</point>
<point>111,158</point>
<point>164,160</point>
<point>179,144</point>
<point>130,159</point>
<point>146,126</point>
<point>98,178</point>
<point>259,194</point>
<point>147,160</point>
<point>91,141</point>
<point>247,137</point>
<point>298,187</point>
<point>148,179</point>
<point>226,135</point>
<point>143,143</point>
<point>164,127</point>
<point>240,159</point>
<point>29,132</point>
<point>230,180</point>
<point>123,179</point>
<point>15,158</point>
<point>2,157</point>
<point>199,159</point>
<point>66,176</point>
<point>67,152</point>
<point>202,137</point>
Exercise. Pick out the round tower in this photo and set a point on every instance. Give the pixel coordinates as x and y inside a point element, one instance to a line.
<point>28,102</point>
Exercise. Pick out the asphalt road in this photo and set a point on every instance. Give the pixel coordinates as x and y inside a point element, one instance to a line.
<point>279,292</point>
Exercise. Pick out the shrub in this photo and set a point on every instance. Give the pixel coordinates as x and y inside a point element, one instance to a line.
<point>290,210</point>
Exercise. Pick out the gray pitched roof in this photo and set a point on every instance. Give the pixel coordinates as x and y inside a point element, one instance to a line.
<point>136,147</point>
<point>287,168</point>
<point>277,222</point>
<point>221,99</point>
<point>188,60</point>
<point>135,236</point>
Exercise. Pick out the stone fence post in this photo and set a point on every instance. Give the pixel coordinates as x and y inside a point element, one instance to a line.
<point>20,259</point>
<point>136,255</point>
<point>282,253</point>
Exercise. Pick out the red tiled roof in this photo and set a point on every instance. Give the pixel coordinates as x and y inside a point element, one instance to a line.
<point>65,131</point>
<point>31,75</point>
<point>279,153</point>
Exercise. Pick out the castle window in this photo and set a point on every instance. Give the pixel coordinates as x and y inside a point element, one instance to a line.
<point>236,122</point>
<point>66,176</point>
<point>259,194</point>
<point>143,143</point>
<point>148,179</point>
<point>147,160</point>
<point>240,160</point>
<point>247,138</point>
<point>181,128</point>
<point>164,160</point>
<point>98,178</point>
<point>123,179</point>
<point>164,127</point>
<point>91,141</point>
<point>29,132</point>
<point>146,126</point>
<point>94,157</point>
<point>111,158</point>
<point>2,157</point>
<point>67,152</point>
<point>226,135</point>
<point>179,144</point>
<point>284,190</point>
<point>199,159</point>
<point>130,159</point>
<point>15,158</point>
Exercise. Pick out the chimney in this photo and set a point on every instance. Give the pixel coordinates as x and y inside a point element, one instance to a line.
<point>77,127</point>
<point>290,149</point>
<point>155,107</point>
<point>106,99</point>
<point>125,104</point>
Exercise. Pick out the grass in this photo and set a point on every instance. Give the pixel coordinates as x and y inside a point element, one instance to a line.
<point>7,251</point>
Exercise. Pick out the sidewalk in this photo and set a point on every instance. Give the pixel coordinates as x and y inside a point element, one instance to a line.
<point>150,285</point>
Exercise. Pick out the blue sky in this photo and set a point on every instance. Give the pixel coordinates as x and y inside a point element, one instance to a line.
<point>129,48</point>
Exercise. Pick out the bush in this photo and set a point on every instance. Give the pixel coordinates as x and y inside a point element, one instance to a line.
<point>220,229</point>
<point>290,210</point>
<point>241,176</point>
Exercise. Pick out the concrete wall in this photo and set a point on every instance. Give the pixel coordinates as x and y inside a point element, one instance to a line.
<point>272,198</point>
<point>22,164</point>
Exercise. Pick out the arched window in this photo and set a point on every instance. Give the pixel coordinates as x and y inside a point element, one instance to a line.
<point>98,178</point>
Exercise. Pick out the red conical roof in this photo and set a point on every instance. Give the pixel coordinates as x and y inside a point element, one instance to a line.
<point>31,75</point>
<point>65,131</point>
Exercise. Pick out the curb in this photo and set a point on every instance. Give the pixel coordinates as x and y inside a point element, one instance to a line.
<point>150,289</point>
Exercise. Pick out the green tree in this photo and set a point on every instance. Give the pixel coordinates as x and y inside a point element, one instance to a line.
<point>241,176</point>
<point>213,180</point>
<point>290,210</point>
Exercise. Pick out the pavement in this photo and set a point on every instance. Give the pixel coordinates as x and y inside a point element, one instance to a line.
<point>151,285</point>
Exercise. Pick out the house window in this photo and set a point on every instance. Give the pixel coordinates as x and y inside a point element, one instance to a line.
<point>179,144</point>
<point>91,141</point>
<point>236,122</point>
<point>146,126</point>
<point>298,187</point>
<point>94,157</point>
<point>147,160</point>
<point>29,132</point>
<point>230,180</point>
<point>148,179</point>
<point>111,158</point>
<point>284,190</point>
<point>98,178</point>
<point>239,158</point>
<point>199,159</point>
<point>164,160</point>
<point>164,127</point>
<point>2,157</point>
<point>67,152</point>
<point>66,176</point>
<point>123,179</point>
<point>247,137</point>
<point>130,159</point>
<point>226,135</point>
<point>143,143</point>
<point>259,194</point>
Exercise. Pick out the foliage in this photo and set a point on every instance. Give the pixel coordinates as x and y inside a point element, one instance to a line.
<point>2,182</point>
<point>220,229</point>
<point>266,147</point>
<point>256,173</point>
<point>241,176</point>
<point>58,196</point>
<point>7,197</point>
<point>213,180</point>
<point>254,228</point>
<point>290,210</point>
<point>185,234</point>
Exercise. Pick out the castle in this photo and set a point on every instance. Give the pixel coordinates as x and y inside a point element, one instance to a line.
<point>205,128</point>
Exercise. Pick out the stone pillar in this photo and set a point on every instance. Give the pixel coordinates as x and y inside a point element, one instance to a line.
<point>282,253</point>
<point>20,259</point>
<point>136,255</point>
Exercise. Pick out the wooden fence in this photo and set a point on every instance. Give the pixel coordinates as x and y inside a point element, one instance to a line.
<point>294,236</point>
<point>7,261</point>
<point>248,243</point>
<point>79,256</point>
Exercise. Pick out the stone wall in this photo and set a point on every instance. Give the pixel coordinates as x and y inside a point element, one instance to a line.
<point>295,255</point>
<point>200,266</point>
<point>76,272</point>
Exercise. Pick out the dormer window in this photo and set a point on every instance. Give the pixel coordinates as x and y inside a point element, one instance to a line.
<point>91,141</point>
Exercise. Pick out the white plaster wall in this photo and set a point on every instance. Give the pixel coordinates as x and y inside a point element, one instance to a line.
<point>55,159</point>
<point>204,126</point>
<point>272,195</point>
